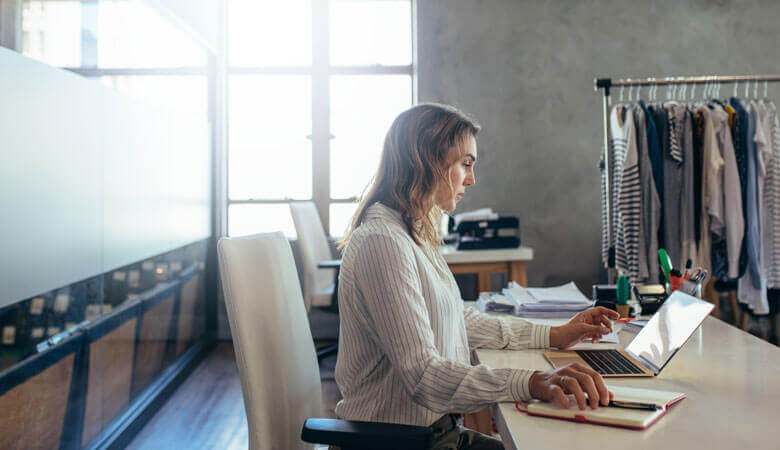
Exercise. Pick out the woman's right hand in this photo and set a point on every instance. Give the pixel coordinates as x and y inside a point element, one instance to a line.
<point>576,379</point>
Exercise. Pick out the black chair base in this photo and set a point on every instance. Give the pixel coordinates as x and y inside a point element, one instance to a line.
<point>326,351</point>
<point>366,435</point>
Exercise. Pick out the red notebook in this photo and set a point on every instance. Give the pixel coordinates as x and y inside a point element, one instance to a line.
<point>635,419</point>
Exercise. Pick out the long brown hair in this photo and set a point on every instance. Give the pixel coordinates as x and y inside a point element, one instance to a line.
<point>416,158</point>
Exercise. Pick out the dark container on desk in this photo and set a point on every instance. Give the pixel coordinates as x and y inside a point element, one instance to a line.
<point>605,295</point>
<point>650,297</point>
<point>503,232</point>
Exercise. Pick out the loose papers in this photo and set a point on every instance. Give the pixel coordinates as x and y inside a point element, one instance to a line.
<point>552,302</point>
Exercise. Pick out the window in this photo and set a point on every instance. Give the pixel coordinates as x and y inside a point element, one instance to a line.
<point>313,87</point>
<point>99,39</point>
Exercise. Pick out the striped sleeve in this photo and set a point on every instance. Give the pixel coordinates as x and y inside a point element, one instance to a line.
<point>512,333</point>
<point>628,207</point>
<point>393,297</point>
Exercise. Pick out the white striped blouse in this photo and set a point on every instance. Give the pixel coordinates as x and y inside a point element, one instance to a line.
<point>405,336</point>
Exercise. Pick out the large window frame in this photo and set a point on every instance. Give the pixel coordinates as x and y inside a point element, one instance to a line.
<point>320,72</point>
<point>213,71</point>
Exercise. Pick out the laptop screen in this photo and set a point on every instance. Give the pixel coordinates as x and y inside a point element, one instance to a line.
<point>669,328</point>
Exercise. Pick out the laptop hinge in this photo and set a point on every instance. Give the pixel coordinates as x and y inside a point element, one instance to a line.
<point>644,362</point>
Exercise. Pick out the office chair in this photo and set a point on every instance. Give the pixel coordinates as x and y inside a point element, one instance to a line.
<point>320,275</point>
<point>275,355</point>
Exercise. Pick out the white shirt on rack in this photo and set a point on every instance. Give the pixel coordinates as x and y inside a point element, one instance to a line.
<point>405,335</point>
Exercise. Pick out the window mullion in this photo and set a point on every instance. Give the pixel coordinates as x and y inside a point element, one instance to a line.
<point>320,110</point>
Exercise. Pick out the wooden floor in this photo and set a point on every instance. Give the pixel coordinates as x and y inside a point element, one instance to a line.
<point>207,410</point>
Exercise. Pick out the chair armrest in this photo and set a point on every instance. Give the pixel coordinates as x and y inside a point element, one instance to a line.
<point>350,434</point>
<point>329,264</point>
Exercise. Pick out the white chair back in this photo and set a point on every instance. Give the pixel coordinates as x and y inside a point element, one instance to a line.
<point>275,353</point>
<point>314,248</point>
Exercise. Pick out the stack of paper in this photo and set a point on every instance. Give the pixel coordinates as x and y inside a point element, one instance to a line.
<point>495,303</point>
<point>553,302</point>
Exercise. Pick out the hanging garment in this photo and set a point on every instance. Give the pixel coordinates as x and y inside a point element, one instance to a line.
<point>754,182</point>
<point>612,179</point>
<point>752,288</point>
<point>650,203</point>
<point>772,202</point>
<point>627,195</point>
<point>732,221</point>
<point>698,142</point>
<point>662,128</point>
<point>740,138</point>
<point>765,144</point>
<point>654,147</point>
<point>710,208</point>
<point>673,184</point>
<point>687,204</point>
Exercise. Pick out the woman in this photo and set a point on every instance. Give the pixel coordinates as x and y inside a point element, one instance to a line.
<point>405,335</point>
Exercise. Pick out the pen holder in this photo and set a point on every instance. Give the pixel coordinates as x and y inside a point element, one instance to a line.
<point>691,288</point>
<point>623,310</point>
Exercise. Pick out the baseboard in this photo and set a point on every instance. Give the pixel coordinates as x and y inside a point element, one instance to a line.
<point>126,426</point>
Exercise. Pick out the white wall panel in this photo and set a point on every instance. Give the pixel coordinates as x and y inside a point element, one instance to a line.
<point>90,180</point>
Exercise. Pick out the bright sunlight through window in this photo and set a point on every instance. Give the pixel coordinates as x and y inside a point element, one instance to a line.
<point>282,84</point>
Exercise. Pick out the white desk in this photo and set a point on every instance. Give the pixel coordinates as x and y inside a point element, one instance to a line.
<point>484,262</point>
<point>732,380</point>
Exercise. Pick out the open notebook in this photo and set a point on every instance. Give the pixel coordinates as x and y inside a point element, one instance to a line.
<point>617,417</point>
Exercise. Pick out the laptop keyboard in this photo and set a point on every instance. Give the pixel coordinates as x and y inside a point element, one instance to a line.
<point>609,362</point>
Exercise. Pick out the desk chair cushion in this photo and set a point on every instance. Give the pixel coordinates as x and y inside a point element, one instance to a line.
<point>314,248</point>
<point>274,348</point>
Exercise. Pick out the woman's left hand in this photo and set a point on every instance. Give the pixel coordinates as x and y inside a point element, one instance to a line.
<point>591,323</point>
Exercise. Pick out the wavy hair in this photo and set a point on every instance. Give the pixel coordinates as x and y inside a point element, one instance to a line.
<point>420,148</point>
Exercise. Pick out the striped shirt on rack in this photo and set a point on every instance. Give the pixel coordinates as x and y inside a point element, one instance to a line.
<point>772,200</point>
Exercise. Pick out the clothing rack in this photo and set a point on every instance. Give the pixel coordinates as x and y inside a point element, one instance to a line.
<point>606,84</point>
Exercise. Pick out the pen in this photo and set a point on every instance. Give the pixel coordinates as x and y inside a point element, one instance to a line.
<point>688,265</point>
<point>632,405</point>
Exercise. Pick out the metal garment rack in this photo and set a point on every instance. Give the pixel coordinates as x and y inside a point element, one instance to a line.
<point>605,84</point>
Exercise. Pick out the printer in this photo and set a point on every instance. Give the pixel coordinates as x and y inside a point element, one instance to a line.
<point>481,234</point>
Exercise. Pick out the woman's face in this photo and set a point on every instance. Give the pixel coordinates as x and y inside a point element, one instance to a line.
<point>461,175</point>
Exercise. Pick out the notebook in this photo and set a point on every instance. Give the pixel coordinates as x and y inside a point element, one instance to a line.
<point>649,352</point>
<point>635,419</point>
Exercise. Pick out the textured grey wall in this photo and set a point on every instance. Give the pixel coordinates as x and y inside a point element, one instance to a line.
<point>525,70</point>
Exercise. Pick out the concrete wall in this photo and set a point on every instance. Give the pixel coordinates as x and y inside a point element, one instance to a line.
<point>525,70</point>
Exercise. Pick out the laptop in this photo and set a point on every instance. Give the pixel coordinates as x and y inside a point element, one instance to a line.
<point>665,333</point>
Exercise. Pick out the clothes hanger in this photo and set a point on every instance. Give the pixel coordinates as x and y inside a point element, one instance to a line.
<point>651,91</point>
<point>755,90</point>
